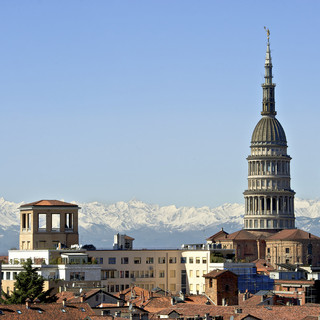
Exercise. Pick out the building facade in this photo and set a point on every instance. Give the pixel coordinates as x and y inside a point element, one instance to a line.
<point>47,224</point>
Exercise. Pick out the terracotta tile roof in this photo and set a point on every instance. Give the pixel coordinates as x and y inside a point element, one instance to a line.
<point>52,311</point>
<point>216,273</point>
<point>128,238</point>
<point>251,301</point>
<point>49,203</point>
<point>292,234</point>
<point>303,282</point>
<point>68,295</point>
<point>248,235</point>
<point>260,312</point>
<point>217,236</point>
<point>156,304</point>
<point>197,299</point>
<point>4,259</point>
<point>263,266</point>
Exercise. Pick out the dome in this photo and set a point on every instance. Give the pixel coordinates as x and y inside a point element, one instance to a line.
<point>269,131</point>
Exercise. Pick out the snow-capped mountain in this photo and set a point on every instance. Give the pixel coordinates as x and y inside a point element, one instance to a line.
<point>152,226</point>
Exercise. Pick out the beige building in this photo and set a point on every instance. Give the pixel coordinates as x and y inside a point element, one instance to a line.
<point>171,270</point>
<point>48,224</point>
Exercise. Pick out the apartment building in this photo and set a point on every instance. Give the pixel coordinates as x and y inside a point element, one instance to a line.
<point>171,270</point>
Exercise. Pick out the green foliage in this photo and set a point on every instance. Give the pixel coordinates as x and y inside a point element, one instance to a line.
<point>216,257</point>
<point>28,284</point>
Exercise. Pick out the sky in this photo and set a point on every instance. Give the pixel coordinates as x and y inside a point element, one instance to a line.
<point>152,100</point>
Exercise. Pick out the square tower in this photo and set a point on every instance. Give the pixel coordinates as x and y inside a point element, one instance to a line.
<point>48,224</point>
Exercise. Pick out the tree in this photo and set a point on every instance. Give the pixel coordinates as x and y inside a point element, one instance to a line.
<point>28,284</point>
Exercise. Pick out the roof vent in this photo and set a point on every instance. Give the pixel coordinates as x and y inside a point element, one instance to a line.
<point>239,310</point>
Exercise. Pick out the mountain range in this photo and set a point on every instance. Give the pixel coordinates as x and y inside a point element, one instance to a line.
<point>151,225</point>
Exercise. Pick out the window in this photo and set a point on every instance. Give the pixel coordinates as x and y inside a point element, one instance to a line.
<point>127,274</point>
<point>42,222</point>
<point>137,260</point>
<point>172,260</point>
<point>204,260</point>
<point>198,288</point>
<point>161,274</point>
<point>197,273</point>
<point>172,273</point>
<point>190,260</point>
<point>112,260</point>
<point>7,275</point>
<point>124,260</point>
<point>14,275</point>
<point>111,274</point>
<point>268,250</point>
<point>26,221</point>
<point>149,260</point>
<point>161,260</point>
<point>74,276</point>
<point>287,250</point>
<point>191,287</point>
<point>55,220</point>
<point>197,260</point>
<point>69,221</point>
<point>172,287</point>
<point>99,260</point>
<point>190,273</point>
<point>183,260</point>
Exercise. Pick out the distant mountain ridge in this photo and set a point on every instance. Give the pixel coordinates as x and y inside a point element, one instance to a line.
<point>152,226</point>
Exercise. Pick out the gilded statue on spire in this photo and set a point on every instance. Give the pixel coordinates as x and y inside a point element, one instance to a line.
<point>268,33</point>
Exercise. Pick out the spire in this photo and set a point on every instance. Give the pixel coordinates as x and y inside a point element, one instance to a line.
<point>268,103</point>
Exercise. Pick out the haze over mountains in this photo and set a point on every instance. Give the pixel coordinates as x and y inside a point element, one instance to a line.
<point>151,225</point>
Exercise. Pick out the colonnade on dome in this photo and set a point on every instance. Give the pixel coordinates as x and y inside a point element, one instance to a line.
<point>269,199</point>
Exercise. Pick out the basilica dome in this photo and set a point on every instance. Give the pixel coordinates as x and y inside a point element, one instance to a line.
<point>268,131</point>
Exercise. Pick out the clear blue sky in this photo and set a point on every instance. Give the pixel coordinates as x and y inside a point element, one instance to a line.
<point>154,100</point>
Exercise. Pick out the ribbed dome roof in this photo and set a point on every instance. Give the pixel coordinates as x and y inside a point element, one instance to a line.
<point>269,131</point>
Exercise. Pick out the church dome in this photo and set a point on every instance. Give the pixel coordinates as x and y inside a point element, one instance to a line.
<point>269,131</point>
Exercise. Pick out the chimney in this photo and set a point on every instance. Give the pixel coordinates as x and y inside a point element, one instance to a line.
<point>119,303</point>
<point>206,316</point>
<point>28,302</point>
<point>172,301</point>
<point>82,297</point>
<point>64,302</point>
<point>122,296</point>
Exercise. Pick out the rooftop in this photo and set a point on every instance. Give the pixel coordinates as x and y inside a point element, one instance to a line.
<point>49,203</point>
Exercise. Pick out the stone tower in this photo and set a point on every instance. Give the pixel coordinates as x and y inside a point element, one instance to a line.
<point>269,199</point>
<point>48,224</point>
